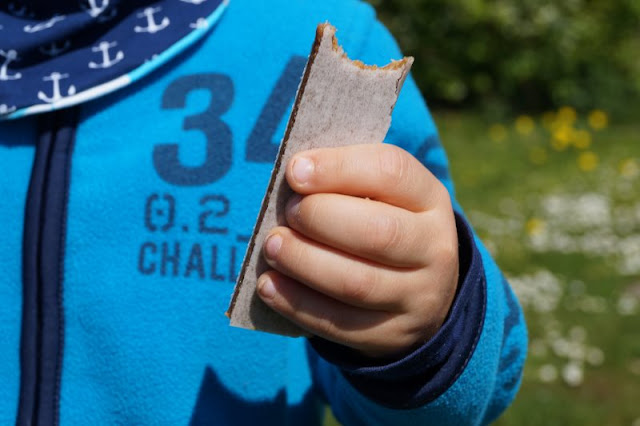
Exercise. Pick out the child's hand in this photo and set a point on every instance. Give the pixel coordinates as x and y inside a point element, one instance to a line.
<point>370,257</point>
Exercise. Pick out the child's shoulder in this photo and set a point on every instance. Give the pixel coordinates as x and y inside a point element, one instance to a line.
<point>347,16</point>
<point>325,6</point>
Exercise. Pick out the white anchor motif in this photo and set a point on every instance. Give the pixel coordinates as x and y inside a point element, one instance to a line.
<point>194,1</point>
<point>6,109</point>
<point>8,56</point>
<point>93,8</point>
<point>43,25</point>
<point>53,49</point>
<point>200,23</point>
<point>152,27</point>
<point>55,77</point>
<point>107,61</point>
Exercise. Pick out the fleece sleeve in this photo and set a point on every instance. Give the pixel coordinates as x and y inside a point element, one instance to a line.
<point>470,371</point>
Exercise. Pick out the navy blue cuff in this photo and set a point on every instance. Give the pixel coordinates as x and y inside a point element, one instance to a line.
<point>429,371</point>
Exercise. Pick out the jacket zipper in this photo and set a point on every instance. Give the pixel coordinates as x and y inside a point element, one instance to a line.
<point>42,333</point>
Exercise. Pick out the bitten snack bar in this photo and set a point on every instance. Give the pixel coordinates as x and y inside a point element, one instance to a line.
<point>339,102</point>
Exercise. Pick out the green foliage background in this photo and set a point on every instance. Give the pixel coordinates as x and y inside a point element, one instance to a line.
<point>524,54</point>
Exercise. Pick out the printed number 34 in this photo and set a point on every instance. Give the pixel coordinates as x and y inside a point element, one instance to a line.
<point>219,138</point>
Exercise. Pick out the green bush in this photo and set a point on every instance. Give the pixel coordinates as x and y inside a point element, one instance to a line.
<point>522,54</point>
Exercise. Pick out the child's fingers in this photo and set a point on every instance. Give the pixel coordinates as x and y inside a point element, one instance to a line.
<point>365,228</point>
<point>376,333</point>
<point>380,171</point>
<point>338,275</point>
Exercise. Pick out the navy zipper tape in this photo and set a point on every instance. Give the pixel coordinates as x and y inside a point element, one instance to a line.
<point>52,266</point>
<point>43,255</point>
<point>30,247</point>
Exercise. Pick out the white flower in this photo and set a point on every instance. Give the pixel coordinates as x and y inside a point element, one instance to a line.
<point>560,347</point>
<point>627,305</point>
<point>547,373</point>
<point>576,351</point>
<point>541,291</point>
<point>573,374</point>
<point>593,304</point>
<point>595,356</point>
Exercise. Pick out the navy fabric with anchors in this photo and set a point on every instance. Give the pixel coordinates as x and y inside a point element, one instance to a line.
<point>53,50</point>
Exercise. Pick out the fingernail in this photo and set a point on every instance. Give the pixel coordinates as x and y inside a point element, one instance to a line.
<point>293,206</point>
<point>272,245</point>
<point>266,288</point>
<point>302,169</point>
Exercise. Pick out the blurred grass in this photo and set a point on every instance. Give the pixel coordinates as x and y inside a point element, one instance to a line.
<point>508,175</point>
<point>556,198</point>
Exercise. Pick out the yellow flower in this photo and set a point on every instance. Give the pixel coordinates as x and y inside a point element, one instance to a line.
<point>535,226</point>
<point>598,119</point>
<point>567,115</point>
<point>588,161</point>
<point>524,125</point>
<point>629,168</point>
<point>561,138</point>
<point>497,132</point>
<point>538,155</point>
<point>581,139</point>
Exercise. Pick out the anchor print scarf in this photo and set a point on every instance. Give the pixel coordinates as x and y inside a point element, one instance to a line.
<point>54,54</point>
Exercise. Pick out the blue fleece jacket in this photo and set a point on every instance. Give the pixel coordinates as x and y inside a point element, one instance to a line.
<point>124,223</point>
